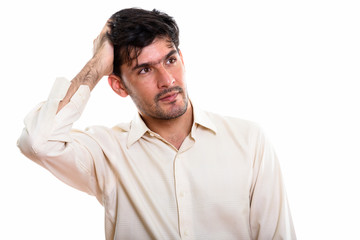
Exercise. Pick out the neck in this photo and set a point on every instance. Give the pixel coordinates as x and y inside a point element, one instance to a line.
<point>174,130</point>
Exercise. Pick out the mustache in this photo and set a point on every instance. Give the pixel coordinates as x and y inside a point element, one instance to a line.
<point>164,92</point>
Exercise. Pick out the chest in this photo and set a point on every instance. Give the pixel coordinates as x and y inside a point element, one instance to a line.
<point>187,190</point>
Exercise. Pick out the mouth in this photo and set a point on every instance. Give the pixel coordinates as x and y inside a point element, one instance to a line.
<point>169,95</point>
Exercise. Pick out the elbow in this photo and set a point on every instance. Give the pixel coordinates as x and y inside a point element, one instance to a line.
<point>27,144</point>
<point>24,143</point>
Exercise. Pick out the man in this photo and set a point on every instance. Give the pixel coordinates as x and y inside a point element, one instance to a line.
<point>174,172</point>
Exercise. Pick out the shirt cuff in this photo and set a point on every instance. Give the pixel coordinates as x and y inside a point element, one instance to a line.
<point>44,123</point>
<point>78,100</point>
<point>59,89</point>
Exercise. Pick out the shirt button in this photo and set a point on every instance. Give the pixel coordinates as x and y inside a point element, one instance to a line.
<point>181,194</point>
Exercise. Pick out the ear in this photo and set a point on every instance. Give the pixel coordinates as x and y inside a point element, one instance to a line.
<point>181,57</point>
<point>117,85</point>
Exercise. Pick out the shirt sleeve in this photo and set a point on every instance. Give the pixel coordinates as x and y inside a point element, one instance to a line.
<point>48,139</point>
<point>270,216</point>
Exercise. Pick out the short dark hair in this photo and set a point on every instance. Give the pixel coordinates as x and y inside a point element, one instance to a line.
<point>132,29</point>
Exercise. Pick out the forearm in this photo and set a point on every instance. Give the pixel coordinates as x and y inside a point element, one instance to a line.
<point>89,76</point>
<point>100,65</point>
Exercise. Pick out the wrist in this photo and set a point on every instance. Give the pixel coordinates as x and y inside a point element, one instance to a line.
<point>101,64</point>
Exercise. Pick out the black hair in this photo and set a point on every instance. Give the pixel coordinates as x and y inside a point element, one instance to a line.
<point>133,29</point>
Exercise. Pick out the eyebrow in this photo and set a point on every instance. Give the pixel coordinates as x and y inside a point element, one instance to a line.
<point>173,51</point>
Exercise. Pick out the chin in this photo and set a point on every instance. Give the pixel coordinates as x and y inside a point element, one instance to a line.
<point>172,112</point>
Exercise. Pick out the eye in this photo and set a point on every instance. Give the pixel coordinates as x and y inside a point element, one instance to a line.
<point>144,70</point>
<point>171,60</point>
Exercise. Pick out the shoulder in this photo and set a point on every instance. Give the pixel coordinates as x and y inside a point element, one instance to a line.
<point>99,129</point>
<point>104,134</point>
<point>233,124</point>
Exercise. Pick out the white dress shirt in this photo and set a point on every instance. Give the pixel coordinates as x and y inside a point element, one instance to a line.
<point>223,183</point>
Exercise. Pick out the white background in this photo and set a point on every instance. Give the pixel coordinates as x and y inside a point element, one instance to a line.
<point>291,66</point>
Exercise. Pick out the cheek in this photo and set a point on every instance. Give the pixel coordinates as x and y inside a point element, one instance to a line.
<point>179,74</point>
<point>145,91</point>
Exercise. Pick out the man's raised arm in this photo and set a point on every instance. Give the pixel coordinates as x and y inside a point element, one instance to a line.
<point>48,138</point>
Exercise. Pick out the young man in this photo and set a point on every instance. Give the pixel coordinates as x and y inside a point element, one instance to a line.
<point>174,172</point>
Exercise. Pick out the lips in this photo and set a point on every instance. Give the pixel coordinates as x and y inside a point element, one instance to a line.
<point>169,97</point>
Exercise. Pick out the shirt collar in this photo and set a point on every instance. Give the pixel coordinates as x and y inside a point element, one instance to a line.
<point>138,127</point>
<point>201,118</point>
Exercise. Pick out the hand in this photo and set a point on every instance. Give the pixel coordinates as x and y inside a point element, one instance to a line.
<point>103,52</point>
<point>100,65</point>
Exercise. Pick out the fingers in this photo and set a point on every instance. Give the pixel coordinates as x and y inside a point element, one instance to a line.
<point>103,52</point>
<point>102,37</point>
<point>106,28</point>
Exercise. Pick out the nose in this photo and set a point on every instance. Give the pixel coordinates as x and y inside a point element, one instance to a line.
<point>164,78</point>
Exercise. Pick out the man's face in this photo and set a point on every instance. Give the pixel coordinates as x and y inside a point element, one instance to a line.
<point>156,81</point>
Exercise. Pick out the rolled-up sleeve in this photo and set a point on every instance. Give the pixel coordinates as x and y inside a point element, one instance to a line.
<point>48,139</point>
<point>270,216</point>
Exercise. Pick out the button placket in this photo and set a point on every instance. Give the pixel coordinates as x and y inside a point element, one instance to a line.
<point>181,194</point>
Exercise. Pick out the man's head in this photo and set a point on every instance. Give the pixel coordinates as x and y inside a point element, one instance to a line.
<point>148,64</point>
<point>133,29</point>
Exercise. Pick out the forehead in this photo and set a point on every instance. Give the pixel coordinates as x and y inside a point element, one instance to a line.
<point>154,52</point>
